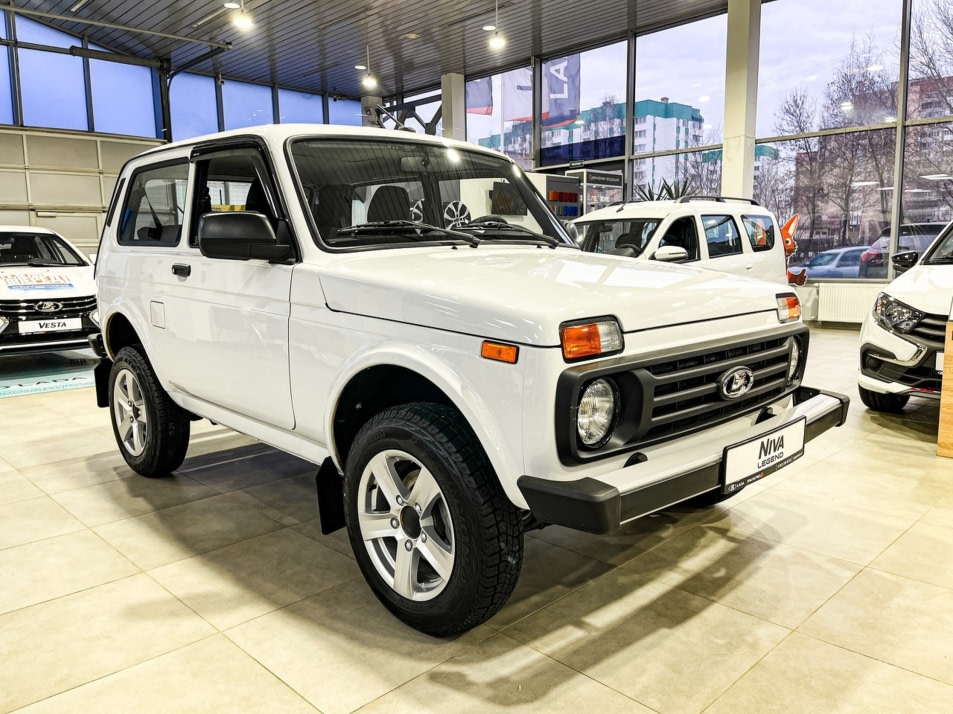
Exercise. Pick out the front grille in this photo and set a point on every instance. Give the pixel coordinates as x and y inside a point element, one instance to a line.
<point>16,310</point>
<point>931,330</point>
<point>667,396</point>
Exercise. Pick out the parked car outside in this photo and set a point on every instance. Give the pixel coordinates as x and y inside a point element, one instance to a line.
<point>461,381</point>
<point>47,293</point>
<point>726,234</point>
<point>835,263</point>
<point>912,236</point>
<point>902,340</point>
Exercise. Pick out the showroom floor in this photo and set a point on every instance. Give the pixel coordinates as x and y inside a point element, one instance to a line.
<point>826,588</point>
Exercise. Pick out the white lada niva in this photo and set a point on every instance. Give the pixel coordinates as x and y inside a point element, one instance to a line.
<point>406,311</point>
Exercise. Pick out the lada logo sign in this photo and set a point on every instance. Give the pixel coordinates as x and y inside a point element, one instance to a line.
<point>735,383</point>
<point>49,306</point>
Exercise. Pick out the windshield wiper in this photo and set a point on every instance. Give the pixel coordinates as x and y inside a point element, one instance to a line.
<point>940,260</point>
<point>44,264</point>
<point>486,226</point>
<point>396,226</point>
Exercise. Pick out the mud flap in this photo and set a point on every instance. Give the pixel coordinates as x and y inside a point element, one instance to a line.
<point>101,375</point>
<point>330,487</point>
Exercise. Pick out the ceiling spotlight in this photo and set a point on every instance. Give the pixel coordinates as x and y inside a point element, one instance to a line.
<point>497,42</point>
<point>241,19</point>
<point>368,81</point>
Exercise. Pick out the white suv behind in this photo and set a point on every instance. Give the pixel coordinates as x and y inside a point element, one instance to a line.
<point>460,380</point>
<point>733,235</point>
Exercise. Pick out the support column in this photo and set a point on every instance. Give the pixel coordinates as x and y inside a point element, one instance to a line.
<point>453,96</point>
<point>369,104</point>
<point>741,97</point>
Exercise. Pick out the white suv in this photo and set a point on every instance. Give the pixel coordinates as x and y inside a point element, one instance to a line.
<point>733,235</point>
<point>461,377</point>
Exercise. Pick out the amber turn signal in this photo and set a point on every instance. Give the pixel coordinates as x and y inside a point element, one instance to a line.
<point>590,339</point>
<point>500,352</point>
<point>789,308</point>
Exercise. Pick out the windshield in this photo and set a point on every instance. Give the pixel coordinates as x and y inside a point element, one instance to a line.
<point>367,193</point>
<point>942,251</point>
<point>611,236</point>
<point>821,259</point>
<point>36,250</point>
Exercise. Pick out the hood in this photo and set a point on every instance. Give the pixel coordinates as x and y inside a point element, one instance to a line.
<point>21,282</point>
<point>522,295</point>
<point>926,287</point>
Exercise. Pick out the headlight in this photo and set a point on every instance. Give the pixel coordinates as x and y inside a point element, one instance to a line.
<point>795,358</point>
<point>591,338</point>
<point>789,308</point>
<point>597,412</point>
<point>893,315</point>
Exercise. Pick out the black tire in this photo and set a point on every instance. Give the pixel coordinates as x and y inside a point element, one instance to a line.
<point>451,563</point>
<point>151,430</point>
<point>888,403</point>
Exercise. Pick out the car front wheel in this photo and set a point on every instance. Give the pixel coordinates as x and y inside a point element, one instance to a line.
<point>435,536</point>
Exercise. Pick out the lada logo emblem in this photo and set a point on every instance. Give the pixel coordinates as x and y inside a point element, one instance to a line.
<point>49,306</point>
<point>735,383</point>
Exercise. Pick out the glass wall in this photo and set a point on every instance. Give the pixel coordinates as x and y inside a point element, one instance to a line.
<point>500,114</point>
<point>194,106</point>
<point>6,96</point>
<point>345,111</point>
<point>300,107</point>
<point>123,101</point>
<point>246,104</point>
<point>53,90</point>
<point>583,114</point>
<point>928,174</point>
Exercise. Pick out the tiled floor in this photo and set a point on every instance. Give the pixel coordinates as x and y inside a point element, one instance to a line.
<point>826,588</point>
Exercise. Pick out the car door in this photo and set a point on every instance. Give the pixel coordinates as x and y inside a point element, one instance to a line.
<point>723,240</point>
<point>230,317</point>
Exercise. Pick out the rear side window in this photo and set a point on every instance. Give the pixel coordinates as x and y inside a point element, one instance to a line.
<point>850,257</point>
<point>760,230</point>
<point>155,205</point>
<point>722,236</point>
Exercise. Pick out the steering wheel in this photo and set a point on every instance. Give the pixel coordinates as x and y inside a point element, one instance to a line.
<point>456,213</point>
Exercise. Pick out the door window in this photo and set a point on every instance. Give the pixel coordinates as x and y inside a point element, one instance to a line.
<point>760,230</point>
<point>155,206</point>
<point>682,234</point>
<point>722,236</point>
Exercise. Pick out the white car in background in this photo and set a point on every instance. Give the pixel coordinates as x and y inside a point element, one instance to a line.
<point>47,293</point>
<point>733,235</point>
<point>902,339</point>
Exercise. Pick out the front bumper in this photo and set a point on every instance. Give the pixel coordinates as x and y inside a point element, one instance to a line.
<point>600,505</point>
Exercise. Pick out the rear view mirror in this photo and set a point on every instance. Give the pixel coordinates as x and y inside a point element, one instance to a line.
<point>670,254</point>
<point>902,262</point>
<point>240,235</point>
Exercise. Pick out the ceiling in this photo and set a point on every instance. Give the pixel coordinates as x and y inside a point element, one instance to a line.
<point>314,44</point>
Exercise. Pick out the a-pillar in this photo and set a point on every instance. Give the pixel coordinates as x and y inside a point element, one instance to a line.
<point>453,96</point>
<point>741,98</point>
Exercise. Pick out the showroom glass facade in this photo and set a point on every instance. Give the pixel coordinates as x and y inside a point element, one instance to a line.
<point>831,116</point>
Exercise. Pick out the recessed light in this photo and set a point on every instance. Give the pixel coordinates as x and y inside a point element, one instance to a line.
<point>233,5</point>
<point>489,28</point>
<point>411,36</point>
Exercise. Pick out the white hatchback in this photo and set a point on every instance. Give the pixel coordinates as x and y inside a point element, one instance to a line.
<point>47,293</point>
<point>727,234</point>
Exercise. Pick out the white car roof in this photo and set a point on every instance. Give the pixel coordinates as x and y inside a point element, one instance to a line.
<point>27,229</point>
<point>661,209</point>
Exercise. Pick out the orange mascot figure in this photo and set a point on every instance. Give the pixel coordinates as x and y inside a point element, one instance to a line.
<point>787,235</point>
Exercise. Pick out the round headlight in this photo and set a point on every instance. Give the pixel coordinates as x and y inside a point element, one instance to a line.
<point>795,358</point>
<point>597,410</point>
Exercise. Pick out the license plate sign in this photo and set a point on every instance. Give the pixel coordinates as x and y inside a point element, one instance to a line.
<point>32,327</point>
<point>754,459</point>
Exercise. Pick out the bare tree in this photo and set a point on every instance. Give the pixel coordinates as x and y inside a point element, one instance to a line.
<point>797,114</point>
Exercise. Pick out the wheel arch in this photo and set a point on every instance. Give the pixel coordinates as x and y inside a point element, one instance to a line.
<point>119,333</point>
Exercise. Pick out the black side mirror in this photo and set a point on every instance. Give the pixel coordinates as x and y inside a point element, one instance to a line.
<point>241,235</point>
<point>902,262</point>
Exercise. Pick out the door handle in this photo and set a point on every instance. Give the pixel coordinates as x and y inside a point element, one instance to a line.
<point>181,269</point>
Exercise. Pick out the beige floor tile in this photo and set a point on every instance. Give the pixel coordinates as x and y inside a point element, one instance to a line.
<point>632,539</point>
<point>361,651</point>
<point>5,467</point>
<point>806,676</point>
<point>667,649</point>
<point>32,520</point>
<point>47,569</point>
<point>23,419</point>
<point>942,516</point>
<point>117,500</point>
<point>925,552</point>
<point>242,472</point>
<point>79,472</point>
<point>549,573</point>
<point>814,522</point>
<point>54,646</point>
<point>290,501</point>
<point>337,540</point>
<point>14,487</point>
<point>179,532</point>
<point>769,580</point>
<point>900,621</point>
<point>502,675</point>
<point>243,581</point>
<point>37,451</point>
<point>212,675</point>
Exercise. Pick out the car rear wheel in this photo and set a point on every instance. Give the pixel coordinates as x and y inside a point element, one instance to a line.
<point>434,535</point>
<point>889,403</point>
<point>151,430</point>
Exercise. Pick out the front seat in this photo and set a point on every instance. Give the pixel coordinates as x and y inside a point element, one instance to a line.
<point>389,203</point>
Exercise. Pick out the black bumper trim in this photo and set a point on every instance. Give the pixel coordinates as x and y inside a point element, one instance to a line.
<point>592,506</point>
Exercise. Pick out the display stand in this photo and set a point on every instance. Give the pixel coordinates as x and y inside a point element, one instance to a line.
<point>562,193</point>
<point>599,188</point>
<point>944,442</point>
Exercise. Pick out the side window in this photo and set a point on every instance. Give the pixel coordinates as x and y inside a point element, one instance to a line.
<point>231,181</point>
<point>760,230</point>
<point>721,235</point>
<point>850,258</point>
<point>682,234</point>
<point>155,206</point>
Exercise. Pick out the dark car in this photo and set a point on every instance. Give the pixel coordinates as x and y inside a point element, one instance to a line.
<point>913,236</point>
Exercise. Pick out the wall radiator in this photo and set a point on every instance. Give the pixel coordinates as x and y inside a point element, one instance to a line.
<point>846,302</point>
